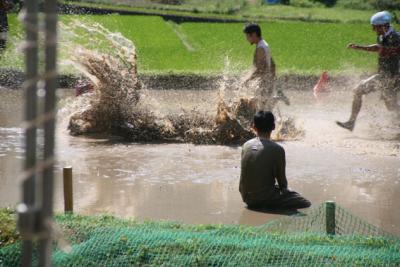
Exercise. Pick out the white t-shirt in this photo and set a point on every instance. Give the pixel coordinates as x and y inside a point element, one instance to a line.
<point>263,44</point>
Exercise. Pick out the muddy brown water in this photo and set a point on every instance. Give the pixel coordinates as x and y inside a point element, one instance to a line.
<point>199,184</point>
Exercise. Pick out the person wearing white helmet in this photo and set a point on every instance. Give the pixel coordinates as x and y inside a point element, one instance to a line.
<point>388,78</point>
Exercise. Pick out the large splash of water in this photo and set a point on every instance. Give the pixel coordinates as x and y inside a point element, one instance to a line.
<point>120,105</point>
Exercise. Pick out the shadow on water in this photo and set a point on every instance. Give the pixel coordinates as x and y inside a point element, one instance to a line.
<point>287,212</point>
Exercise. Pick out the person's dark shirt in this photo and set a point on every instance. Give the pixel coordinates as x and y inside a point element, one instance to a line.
<point>389,65</point>
<point>263,166</point>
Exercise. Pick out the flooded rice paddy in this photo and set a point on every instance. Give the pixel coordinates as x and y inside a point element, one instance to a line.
<point>199,184</point>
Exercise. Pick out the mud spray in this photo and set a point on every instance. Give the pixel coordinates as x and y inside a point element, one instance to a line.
<point>120,105</point>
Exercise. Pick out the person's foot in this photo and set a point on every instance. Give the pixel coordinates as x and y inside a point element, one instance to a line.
<point>349,125</point>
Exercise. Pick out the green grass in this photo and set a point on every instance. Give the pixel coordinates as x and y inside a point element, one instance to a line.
<point>12,57</point>
<point>297,47</point>
<point>8,231</point>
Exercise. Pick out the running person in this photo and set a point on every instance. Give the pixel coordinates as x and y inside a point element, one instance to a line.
<point>5,6</point>
<point>387,81</point>
<point>264,69</point>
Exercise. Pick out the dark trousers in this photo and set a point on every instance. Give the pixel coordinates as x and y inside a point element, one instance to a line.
<point>281,200</point>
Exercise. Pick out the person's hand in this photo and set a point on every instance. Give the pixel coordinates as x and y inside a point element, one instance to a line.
<point>352,46</point>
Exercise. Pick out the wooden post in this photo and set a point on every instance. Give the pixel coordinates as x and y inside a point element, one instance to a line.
<point>68,191</point>
<point>330,208</point>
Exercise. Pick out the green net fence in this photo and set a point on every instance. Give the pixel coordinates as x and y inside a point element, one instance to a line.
<point>299,240</point>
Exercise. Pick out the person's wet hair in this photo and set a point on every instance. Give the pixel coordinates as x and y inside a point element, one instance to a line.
<point>252,28</point>
<point>264,121</point>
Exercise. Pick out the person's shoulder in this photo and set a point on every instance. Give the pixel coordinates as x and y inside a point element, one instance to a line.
<point>277,146</point>
<point>251,142</point>
<point>395,36</point>
<point>262,44</point>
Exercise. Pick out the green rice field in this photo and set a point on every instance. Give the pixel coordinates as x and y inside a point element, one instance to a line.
<point>205,48</point>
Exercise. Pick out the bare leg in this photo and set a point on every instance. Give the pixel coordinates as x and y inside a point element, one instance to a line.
<point>356,107</point>
<point>362,89</point>
<point>265,95</point>
<point>355,110</point>
<point>390,98</point>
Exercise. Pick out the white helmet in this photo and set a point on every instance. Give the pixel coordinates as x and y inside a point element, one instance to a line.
<point>381,18</point>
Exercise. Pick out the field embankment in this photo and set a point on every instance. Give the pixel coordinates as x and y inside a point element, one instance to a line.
<point>227,10</point>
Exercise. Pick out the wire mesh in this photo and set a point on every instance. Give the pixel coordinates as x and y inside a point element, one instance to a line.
<point>291,241</point>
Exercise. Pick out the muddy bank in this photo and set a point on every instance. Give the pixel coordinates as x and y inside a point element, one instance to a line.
<point>64,8</point>
<point>12,78</point>
<point>173,15</point>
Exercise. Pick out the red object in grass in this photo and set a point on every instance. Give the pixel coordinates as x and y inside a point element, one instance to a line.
<point>322,86</point>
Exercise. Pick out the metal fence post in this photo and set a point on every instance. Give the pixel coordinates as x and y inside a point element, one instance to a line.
<point>35,212</point>
<point>330,208</point>
<point>68,190</point>
<point>50,78</point>
<point>30,86</point>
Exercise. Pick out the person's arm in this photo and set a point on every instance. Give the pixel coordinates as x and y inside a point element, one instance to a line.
<point>281,170</point>
<point>260,65</point>
<point>368,48</point>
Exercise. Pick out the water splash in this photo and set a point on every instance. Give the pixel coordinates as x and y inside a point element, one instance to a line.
<point>120,105</point>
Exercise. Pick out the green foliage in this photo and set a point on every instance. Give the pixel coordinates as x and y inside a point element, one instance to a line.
<point>8,231</point>
<point>12,57</point>
<point>305,3</point>
<point>386,4</point>
<point>327,3</point>
<point>312,3</point>
<point>370,4</point>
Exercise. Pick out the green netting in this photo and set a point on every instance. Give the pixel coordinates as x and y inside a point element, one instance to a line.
<point>292,241</point>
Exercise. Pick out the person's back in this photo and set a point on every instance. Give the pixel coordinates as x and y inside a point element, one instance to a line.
<point>263,62</point>
<point>263,181</point>
<point>263,162</point>
<point>389,64</point>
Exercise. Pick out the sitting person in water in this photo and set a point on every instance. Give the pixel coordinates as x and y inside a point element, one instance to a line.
<point>263,183</point>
